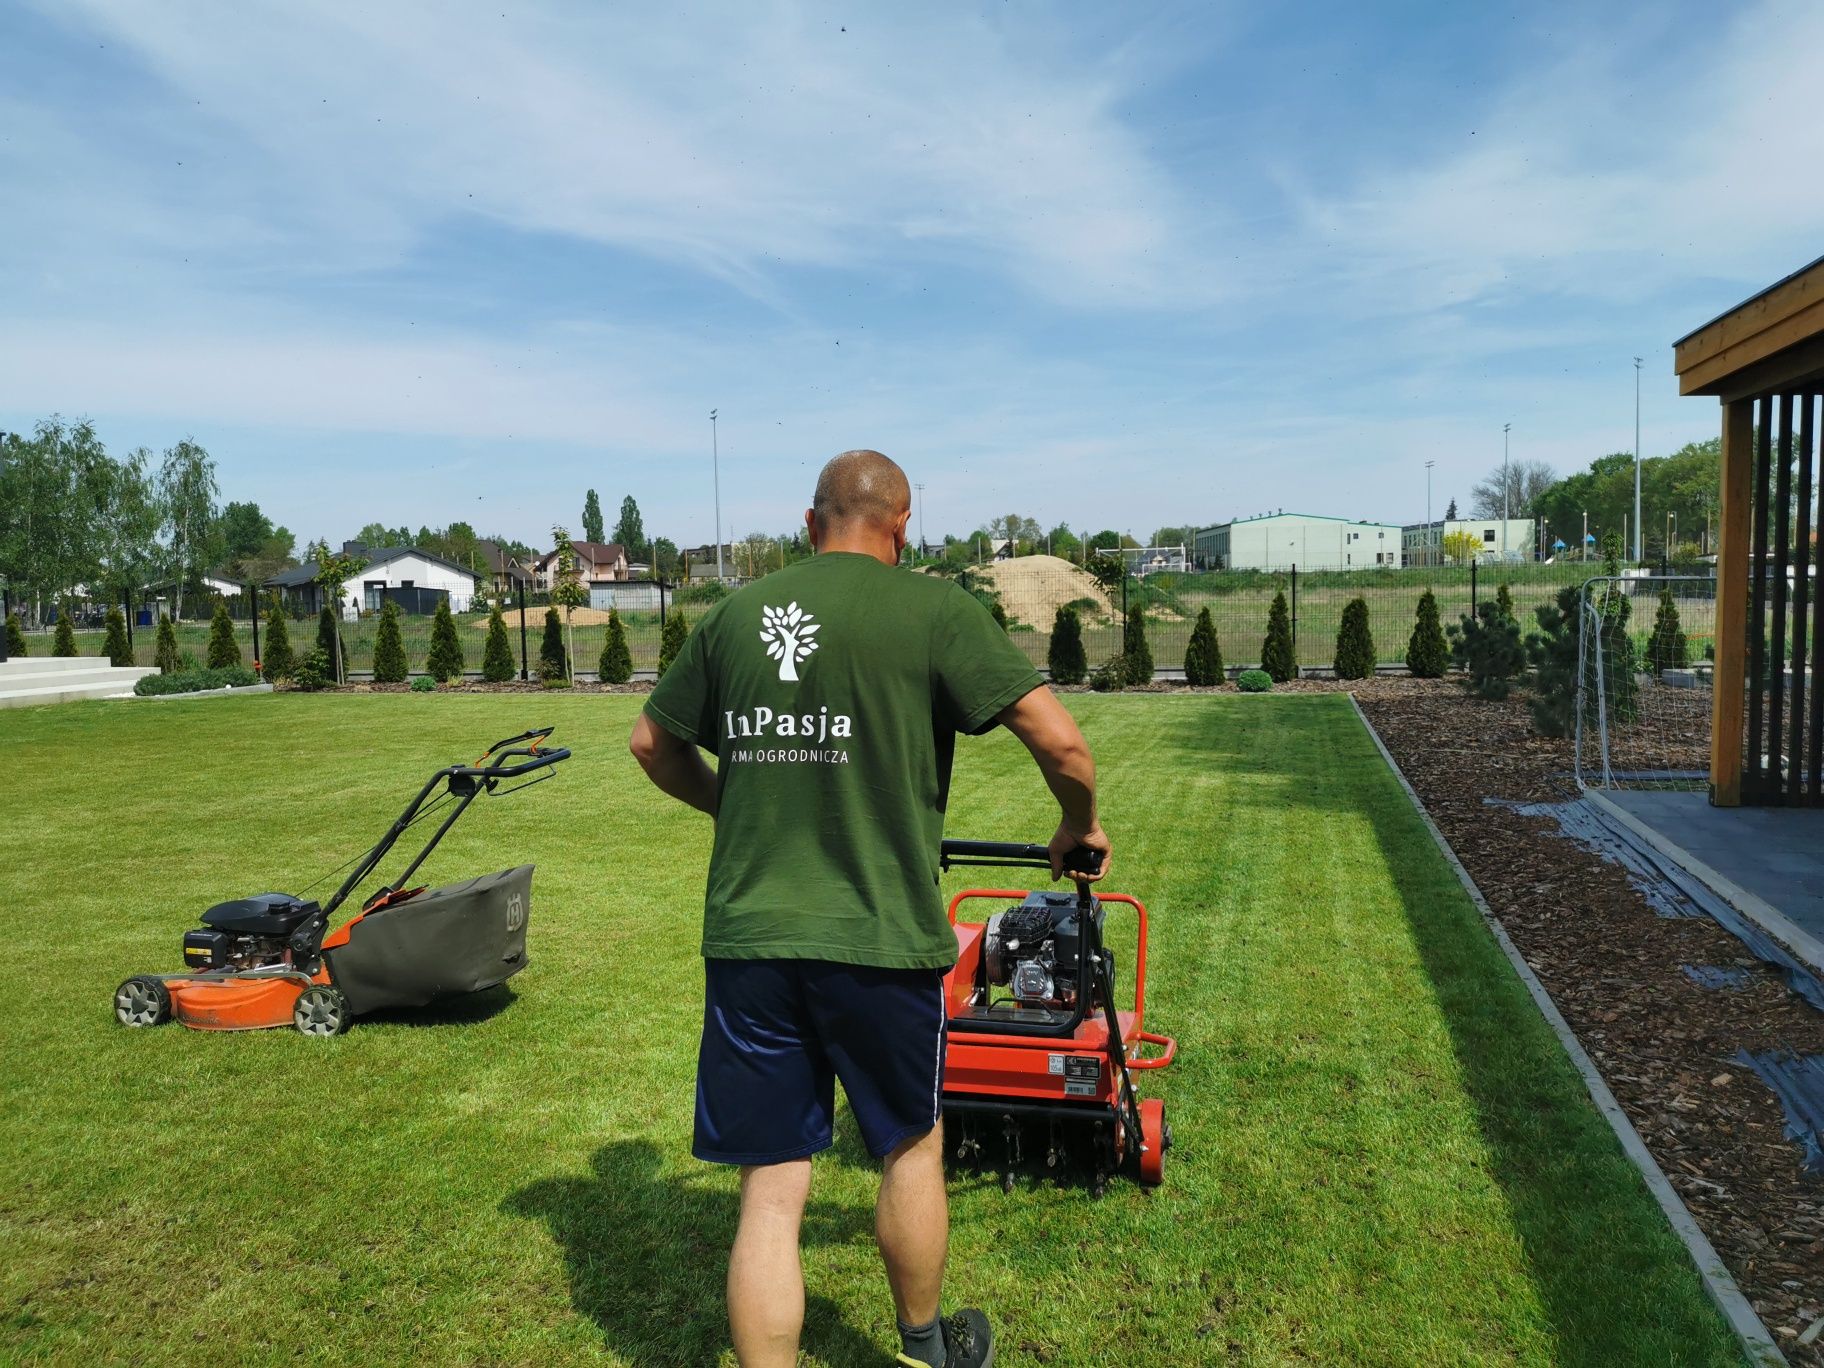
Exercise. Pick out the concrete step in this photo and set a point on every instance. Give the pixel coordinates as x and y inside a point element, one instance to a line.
<point>99,680</point>
<point>38,664</point>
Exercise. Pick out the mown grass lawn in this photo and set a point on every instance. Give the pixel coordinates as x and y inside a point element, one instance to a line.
<point>1382,1156</point>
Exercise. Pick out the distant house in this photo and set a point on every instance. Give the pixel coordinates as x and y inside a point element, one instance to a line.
<point>503,571</point>
<point>415,580</point>
<point>596,562</point>
<point>162,595</point>
<point>700,561</point>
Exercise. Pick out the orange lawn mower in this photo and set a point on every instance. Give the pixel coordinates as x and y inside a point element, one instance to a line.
<point>1040,1059</point>
<point>266,961</point>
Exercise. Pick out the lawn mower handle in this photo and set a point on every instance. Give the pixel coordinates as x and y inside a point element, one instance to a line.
<point>539,760</point>
<point>1015,855</point>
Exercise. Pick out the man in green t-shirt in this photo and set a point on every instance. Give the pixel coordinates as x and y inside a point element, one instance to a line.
<point>831,694</point>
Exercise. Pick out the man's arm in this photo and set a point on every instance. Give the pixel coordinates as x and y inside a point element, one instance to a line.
<point>1051,734</point>
<point>676,766</point>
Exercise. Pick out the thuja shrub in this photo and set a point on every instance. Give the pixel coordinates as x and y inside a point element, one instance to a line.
<point>445,660</point>
<point>1355,642</point>
<point>1203,657</point>
<point>115,648</point>
<point>1136,654</point>
<point>1427,656</point>
<point>389,647</point>
<point>1668,648</point>
<point>553,662</point>
<point>224,650</point>
<point>1276,650</point>
<point>1065,656</point>
<point>671,640</point>
<point>497,655</point>
<point>15,636</point>
<point>164,647</point>
<point>616,664</point>
<point>277,662</point>
<point>63,641</point>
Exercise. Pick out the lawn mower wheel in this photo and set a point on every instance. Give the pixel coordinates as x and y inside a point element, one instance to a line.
<point>142,1001</point>
<point>320,1011</point>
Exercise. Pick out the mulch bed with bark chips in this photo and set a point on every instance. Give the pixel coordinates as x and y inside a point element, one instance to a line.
<point>1666,1046</point>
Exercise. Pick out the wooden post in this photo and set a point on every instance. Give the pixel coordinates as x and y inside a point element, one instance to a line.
<point>1734,544</point>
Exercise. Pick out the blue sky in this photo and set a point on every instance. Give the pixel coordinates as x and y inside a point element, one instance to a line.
<point>1116,265</point>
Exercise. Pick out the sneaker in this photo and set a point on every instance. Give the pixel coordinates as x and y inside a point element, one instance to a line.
<point>968,1342</point>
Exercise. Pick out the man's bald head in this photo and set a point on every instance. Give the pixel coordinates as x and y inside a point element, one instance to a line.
<point>861,488</point>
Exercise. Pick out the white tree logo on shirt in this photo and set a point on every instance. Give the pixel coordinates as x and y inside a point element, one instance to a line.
<point>789,634</point>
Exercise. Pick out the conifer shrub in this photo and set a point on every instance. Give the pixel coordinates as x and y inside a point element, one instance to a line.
<point>1110,676</point>
<point>1427,657</point>
<point>553,662</point>
<point>389,647</point>
<point>1254,681</point>
<point>1668,648</point>
<point>1203,657</point>
<point>1136,654</point>
<point>671,640</point>
<point>1504,602</point>
<point>616,664</point>
<point>278,661</point>
<point>445,660</point>
<point>224,650</point>
<point>15,637</point>
<point>424,684</point>
<point>1355,657</point>
<point>1276,650</point>
<point>327,634</point>
<point>63,642</point>
<point>497,655</point>
<point>1065,656</point>
<point>164,647</point>
<point>1489,648</point>
<point>115,647</point>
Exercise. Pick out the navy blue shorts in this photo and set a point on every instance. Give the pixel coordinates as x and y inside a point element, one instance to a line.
<point>778,1033</point>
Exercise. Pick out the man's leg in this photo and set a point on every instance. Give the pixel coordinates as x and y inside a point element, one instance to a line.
<point>912,1223</point>
<point>765,1277</point>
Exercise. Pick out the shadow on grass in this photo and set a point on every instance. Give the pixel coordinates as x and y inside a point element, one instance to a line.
<point>647,1252</point>
<point>1606,1267</point>
<point>464,1010</point>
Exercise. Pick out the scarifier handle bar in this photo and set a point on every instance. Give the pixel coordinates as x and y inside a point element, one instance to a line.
<point>1014,855</point>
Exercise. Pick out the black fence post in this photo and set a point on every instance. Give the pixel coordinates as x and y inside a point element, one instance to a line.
<point>1295,615</point>
<point>126,606</point>
<point>521,586</point>
<point>1472,588</point>
<point>661,604</point>
<point>1124,641</point>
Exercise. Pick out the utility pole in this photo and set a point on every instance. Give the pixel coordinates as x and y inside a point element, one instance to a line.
<point>1637,460</point>
<point>921,518</point>
<point>715,469</point>
<point>1505,487</point>
<point>1429,530</point>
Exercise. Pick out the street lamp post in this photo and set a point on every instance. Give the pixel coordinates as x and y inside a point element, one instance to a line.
<point>1504,489</point>
<point>715,469</point>
<point>1637,460</point>
<point>1429,530</point>
<point>921,518</point>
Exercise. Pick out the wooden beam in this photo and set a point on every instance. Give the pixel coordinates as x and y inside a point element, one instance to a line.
<point>1718,372</point>
<point>1758,315</point>
<point>1733,552</point>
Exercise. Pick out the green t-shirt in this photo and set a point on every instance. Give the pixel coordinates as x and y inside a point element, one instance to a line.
<point>831,693</point>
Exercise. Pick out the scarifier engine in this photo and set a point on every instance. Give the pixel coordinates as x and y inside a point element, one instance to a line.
<point>1040,1059</point>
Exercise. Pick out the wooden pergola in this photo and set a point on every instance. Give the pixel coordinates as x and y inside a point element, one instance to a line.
<point>1764,360</point>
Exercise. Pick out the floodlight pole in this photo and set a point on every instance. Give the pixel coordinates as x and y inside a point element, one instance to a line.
<point>1504,490</point>
<point>1428,527</point>
<point>715,470</point>
<point>921,518</point>
<point>1637,460</point>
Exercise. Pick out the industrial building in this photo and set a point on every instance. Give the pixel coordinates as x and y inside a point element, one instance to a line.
<point>1278,541</point>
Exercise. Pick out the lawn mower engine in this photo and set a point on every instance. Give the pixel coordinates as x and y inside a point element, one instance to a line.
<point>1040,1058</point>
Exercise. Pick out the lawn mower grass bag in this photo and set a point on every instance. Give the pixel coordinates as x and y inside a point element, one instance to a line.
<point>437,943</point>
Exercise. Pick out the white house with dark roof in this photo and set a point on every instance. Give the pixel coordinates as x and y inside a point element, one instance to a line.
<point>411,578</point>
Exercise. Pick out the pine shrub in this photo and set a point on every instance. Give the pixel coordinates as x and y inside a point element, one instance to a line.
<point>1427,656</point>
<point>15,637</point>
<point>671,640</point>
<point>389,647</point>
<point>497,655</point>
<point>616,664</point>
<point>1254,681</point>
<point>63,643</point>
<point>1276,650</point>
<point>278,661</point>
<point>1355,657</point>
<point>115,648</point>
<point>1203,657</point>
<point>1110,676</point>
<point>1489,648</point>
<point>1065,656</point>
<point>164,647</point>
<point>445,660</point>
<point>553,662</point>
<point>224,650</point>
<point>1555,653</point>
<point>1136,655</point>
<point>1667,648</point>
